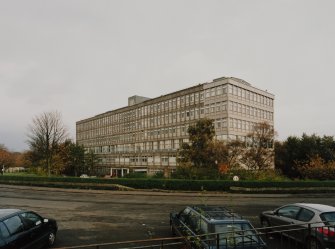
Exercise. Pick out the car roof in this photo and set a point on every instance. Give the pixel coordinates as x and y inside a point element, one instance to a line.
<point>5,212</point>
<point>217,213</point>
<point>317,207</point>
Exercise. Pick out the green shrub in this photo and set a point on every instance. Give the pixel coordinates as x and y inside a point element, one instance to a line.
<point>136,175</point>
<point>165,184</point>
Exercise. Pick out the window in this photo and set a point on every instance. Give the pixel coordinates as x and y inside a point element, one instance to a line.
<point>14,225</point>
<point>31,219</point>
<point>196,97</point>
<point>230,89</point>
<point>212,108</point>
<point>230,234</point>
<point>224,122</point>
<point>239,108</point>
<point>213,92</point>
<point>218,124</point>
<point>305,215</point>
<point>234,90</point>
<point>224,106</point>
<point>219,90</point>
<point>243,109</point>
<point>289,212</point>
<point>3,231</point>
<point>235,123</point>
<point>329,218</point>
<point>218,107</point>
<point>235,107</point>
<point>239,92</point>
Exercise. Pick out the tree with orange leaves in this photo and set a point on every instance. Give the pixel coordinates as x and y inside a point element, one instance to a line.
<point>6,158</point>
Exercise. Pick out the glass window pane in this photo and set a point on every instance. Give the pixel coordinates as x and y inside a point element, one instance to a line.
<point>3,231</point>
<point>305,215</point>
<point>14,225</point>
<point>289,212</point>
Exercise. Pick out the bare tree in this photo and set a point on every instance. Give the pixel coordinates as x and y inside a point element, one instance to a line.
<point>236,149</point>
<point>45,134</point>
<point>260,154</point>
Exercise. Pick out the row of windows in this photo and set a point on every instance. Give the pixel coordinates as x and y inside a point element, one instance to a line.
<point>216,91</point>
<point>214,107</point>
<point>249,95</point>
<point>220,124</point>
<point>239,92</point>
<point>165,106</point>
<point>170,144</point>
<point>171,131</point>
<point>250,111</point>
<point>174,131</point>
<point>176,117</point>
<point>171,118</point>
<point>242,125</point>
<point>140,160</point>
<point>173,104</point>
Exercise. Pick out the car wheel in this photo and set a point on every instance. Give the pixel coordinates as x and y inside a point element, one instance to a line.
<point>51,238</point>
<point>313,243</point>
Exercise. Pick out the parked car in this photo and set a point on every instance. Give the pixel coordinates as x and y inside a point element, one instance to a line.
<point>25,230</point>
<point>217,225</point>
<point>313,224</point>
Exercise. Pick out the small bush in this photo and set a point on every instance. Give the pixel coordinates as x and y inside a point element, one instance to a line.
<point>136,175</point>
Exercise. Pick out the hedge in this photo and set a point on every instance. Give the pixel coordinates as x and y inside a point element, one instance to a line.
<point>163,184</point>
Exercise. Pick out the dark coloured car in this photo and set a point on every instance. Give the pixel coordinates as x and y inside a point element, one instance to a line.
<point>21,229</point>
<point>310,224</point>
<point>218,227</point>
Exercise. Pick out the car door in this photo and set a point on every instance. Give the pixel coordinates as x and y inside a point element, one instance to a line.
<point>304,216</point>
<point>287,217</point>
<point>34,225</point>
<point>17,237</point>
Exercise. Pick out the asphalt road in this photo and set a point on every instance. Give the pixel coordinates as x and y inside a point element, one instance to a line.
<point>90,216</point>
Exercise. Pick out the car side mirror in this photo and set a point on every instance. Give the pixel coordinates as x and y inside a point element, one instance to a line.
<point>45,220</point>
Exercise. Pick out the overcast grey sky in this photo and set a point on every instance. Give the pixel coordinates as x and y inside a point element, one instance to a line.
<point>83,58</point>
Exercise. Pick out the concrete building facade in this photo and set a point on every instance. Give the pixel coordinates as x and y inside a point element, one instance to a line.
<point>146,135</point>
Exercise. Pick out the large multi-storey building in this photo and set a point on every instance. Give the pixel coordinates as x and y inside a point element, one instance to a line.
<point>145,135</point>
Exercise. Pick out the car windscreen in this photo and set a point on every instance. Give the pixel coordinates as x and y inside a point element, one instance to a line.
<point>328,218</point>
<point>237,234</point>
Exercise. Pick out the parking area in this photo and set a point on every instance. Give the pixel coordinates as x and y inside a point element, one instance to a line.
<point>89,217</point>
